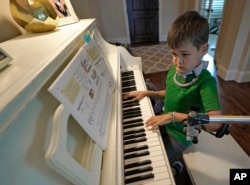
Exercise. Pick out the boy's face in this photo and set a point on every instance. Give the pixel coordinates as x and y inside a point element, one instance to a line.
<point>187,57</point>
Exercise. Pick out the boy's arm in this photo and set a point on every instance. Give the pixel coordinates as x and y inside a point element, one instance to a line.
<point>138,95</point>
<point>156,94</point>
<point>180,117</point>
<point>211,127</point>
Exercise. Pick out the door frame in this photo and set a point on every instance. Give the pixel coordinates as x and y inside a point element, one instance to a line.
<point>161,38</point>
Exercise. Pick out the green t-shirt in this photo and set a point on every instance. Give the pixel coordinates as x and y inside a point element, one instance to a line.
<point>202,94</point>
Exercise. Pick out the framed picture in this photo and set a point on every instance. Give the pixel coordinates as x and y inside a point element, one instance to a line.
<point>65,11</point>
<point>4,59</point>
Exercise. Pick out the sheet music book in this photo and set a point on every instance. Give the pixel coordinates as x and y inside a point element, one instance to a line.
<point>85,88</point>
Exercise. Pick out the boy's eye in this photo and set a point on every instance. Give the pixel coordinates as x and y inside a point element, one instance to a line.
<point>174,54</point>
<point>185,54</point>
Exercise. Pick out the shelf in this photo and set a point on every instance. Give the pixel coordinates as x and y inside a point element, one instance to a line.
<point>35,57</point>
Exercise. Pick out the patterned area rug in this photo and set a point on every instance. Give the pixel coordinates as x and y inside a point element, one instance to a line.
<point>155,58</point>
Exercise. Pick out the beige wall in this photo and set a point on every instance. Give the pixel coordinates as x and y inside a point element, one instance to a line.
<point>90,9</point>
<point>109,15</point>
<point>112,18</point>
<point>9,28</point>
<point>232,53</point>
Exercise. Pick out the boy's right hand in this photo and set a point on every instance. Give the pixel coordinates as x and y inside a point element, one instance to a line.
<point>136,95</point>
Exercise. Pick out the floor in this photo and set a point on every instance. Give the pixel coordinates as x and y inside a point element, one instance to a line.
<point>155,57</point>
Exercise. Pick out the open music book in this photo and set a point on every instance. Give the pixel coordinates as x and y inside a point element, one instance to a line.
<point>84,88</point>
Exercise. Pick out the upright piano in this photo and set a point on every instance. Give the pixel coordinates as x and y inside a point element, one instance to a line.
<point>42,143</point>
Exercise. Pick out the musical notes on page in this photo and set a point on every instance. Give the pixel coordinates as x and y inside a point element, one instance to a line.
<point>85,88</point>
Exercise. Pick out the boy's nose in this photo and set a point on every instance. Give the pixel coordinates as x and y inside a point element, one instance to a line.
<point>179,60</point>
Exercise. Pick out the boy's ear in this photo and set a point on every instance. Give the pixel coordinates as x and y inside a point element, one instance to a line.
<point>204,48</point>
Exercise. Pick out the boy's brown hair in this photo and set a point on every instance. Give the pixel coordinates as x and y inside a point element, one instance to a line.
<point>189,27</point>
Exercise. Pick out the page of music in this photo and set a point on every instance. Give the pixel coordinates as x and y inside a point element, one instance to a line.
<point>85,89</point>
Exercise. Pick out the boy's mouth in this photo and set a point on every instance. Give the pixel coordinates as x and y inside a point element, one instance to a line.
<point>179,67</point>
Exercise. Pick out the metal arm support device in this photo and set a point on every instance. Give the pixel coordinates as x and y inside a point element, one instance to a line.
<point>198,119</point>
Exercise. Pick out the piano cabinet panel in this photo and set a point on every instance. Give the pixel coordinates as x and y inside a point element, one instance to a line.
<point>79,145</point>
<point>24,144</point>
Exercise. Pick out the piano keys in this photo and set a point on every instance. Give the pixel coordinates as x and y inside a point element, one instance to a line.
<point>145,159</point>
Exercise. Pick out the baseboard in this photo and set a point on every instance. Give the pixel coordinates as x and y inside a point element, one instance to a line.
<point>163,38</point>
<point>224,73</point>
<point>235,75</point>
<point>119,40</point>
<point>243,76</point>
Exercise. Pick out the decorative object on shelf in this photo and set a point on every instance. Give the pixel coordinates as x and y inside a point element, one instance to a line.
<point>65,12</point>
<point>34,15</point>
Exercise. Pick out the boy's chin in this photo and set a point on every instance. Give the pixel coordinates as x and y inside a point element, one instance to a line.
<point>181,72</point>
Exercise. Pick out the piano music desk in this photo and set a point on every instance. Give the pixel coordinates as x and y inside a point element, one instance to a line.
<point>209,161</point>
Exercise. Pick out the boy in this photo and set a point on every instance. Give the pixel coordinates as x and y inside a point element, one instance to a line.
<point>188,82</point>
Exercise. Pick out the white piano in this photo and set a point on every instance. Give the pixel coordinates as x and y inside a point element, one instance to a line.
<point>41,143</point>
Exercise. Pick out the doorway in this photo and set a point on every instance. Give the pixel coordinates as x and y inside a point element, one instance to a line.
<point>213,11</point>
<point>143,20</point>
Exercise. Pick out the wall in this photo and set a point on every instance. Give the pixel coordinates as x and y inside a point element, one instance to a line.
<point>232,52</point>
<point>90,9</point>
<point>109,15</point>
<point>115,23</point>
<point>11,29</point>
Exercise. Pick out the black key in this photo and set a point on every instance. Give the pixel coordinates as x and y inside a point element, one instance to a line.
<point>142,134</point>
<point>136,164</point>
<point>127,73</point>
<point>133,131</point>
<point>137,154</point>
<point>132,110</point>
<point>139,178</point>
<point>132,115</point>
<point>133,125</point>
<point>143,139</point>
<point>130,104</point>
<point>128,83</point>
<point>128,99</point>
<point>127,78</point>
<point>128,89</point>
<point>138,148</point>
<point>139,170</point>
<point>133,121</point>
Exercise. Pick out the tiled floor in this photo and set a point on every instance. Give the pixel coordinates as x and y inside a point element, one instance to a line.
<point>155,57</point>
